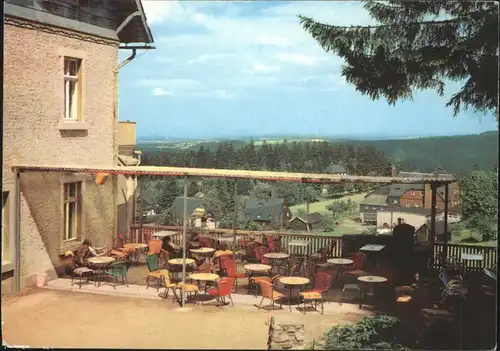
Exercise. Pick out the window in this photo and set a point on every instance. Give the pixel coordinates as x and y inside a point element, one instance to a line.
<point>5,227</point>
<point>72,210</point>
<point>413,192</point>
<point>72,89</point>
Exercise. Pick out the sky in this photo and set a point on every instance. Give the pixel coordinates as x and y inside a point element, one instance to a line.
<point>227,69</point>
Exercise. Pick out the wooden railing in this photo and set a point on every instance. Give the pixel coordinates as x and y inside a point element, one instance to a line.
<point>317,242</point>
<point>456,251</point>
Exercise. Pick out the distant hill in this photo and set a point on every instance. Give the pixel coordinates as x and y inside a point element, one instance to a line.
<point>458,153</point>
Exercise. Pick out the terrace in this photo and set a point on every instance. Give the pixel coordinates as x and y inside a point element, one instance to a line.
<point>307,259</point>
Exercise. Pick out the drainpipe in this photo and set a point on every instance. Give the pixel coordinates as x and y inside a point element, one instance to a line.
<point>115,129</point>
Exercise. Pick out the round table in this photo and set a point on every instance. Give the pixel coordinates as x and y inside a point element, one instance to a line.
<point>292,282</point>
<point>276,259</point>
<point>206,277</point>
<point>205,251</point>
<point>135,248</point>
<point>179,261</point>
<point>255,268</point>
<point>340,262</point>
<point>370,280</point>
<point>100,263</point>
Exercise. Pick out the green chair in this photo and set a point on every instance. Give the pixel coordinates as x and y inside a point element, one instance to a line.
<point>117,271</point>
<point>155,273</point>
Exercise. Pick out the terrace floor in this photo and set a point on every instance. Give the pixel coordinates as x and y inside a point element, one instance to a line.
<point>62,315</point>
<point>56,318</point>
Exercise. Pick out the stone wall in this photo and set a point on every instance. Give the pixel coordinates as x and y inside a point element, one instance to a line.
<point>285,336</point>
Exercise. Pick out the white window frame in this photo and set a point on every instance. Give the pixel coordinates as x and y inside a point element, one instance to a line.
<point>72,103</point>
<point>67,201</point>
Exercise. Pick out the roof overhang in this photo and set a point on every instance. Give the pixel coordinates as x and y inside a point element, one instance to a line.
<point>230,173</point>
<point>134,27</point>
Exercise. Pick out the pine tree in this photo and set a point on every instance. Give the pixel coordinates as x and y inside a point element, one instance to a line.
<point>417,45</point>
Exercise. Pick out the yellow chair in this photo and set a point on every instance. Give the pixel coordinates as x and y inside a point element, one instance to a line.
<point>187,288</point>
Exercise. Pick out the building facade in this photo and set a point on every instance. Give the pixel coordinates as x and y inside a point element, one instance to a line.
<point>60,87</point>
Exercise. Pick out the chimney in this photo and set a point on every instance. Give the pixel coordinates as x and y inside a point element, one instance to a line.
<point>427,196</point>
<point>394,171</point>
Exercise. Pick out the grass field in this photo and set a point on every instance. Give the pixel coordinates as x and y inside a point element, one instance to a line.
<point>321,205</point>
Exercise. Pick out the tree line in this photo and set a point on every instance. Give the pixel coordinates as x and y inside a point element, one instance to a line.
<point>307,157</point>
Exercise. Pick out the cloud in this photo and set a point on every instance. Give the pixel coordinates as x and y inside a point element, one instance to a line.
<point>160,92</point>
<point>261,68</point>
<point>158,11</point>
<point>203,58</point>
<point>300,59</point>
<point>173,84</point>
<point>223,94</point>
<point>246,45</point>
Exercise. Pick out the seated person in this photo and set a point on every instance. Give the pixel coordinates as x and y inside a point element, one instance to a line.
<point>173,249</point>
<point>223,250</point>
<point>83,253</point>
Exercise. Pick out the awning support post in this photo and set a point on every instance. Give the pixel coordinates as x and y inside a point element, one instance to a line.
<point>433,217</point>
<point>141,210</point>
<point>445,240</point>
<point>184,234</point>
<point>17,225</point>
<point>235,218</point>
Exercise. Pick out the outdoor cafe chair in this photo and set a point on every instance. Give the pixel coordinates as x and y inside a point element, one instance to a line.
<point>155,273</point>
<point>79,274</point>
<point>264,250</point>
<point>224,289</point>
<point>154,246</point>
<point>356,268</point>
<point>455,287</point>
<point>231,268</point>
<point>118,270</point>
<point>321,284</point>
<point>271,244</point>
<point>350,286</point>
<point>222,259</point>
<point>164,257</point>
<point>187,288</point>
<point>268,292</point>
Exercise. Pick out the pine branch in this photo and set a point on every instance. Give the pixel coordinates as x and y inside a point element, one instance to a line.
<point>392,59</point>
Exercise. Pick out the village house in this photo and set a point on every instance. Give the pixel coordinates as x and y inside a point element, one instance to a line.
<point>261,211</point>
<point>335,169</point>
<point>307,224</point>
<point>60,109</point>
<point>198,215</point>
<point>413,216</point>
<point>372,203</point>
<point>409,196</point>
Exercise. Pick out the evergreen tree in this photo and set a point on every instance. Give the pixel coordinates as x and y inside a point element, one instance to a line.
<point>419,45</point>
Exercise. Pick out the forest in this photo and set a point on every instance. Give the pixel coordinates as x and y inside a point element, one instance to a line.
<point>458,154</point>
